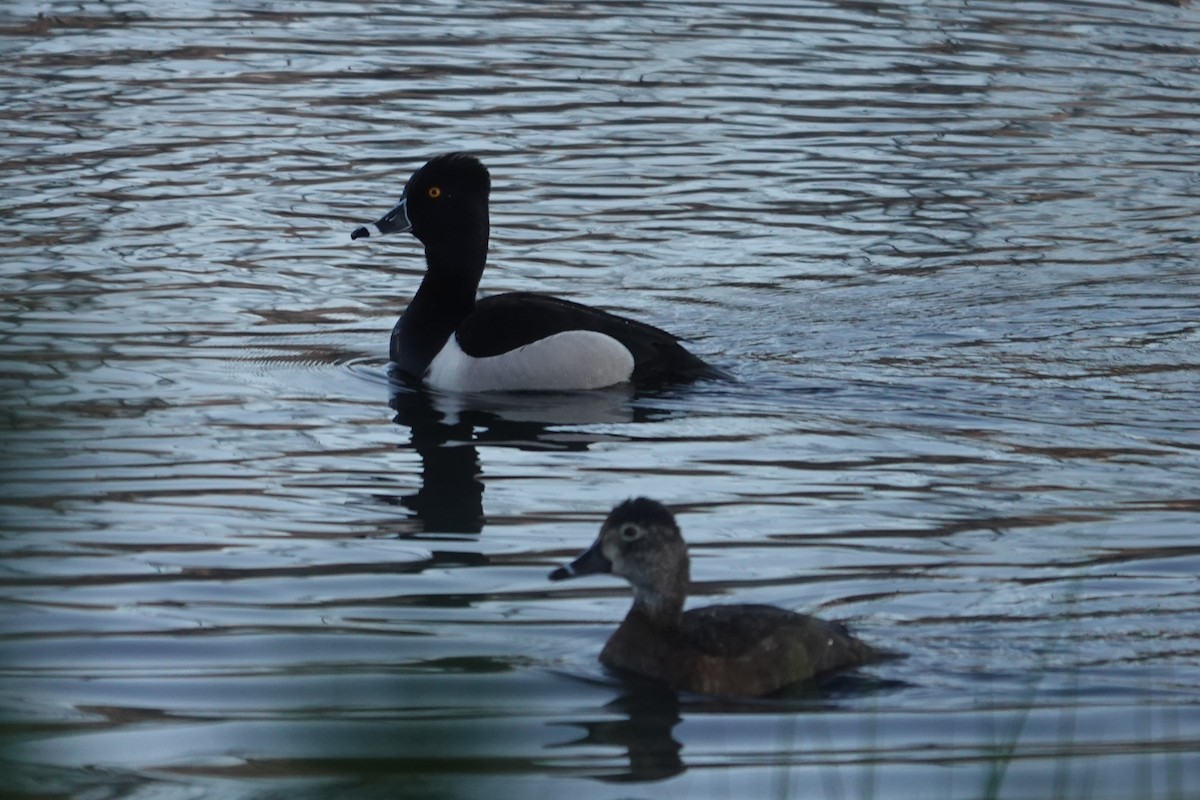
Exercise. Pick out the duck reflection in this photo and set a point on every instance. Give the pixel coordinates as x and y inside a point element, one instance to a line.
<point>651,712</point>
<point>450,497</point>
<point>648,712</point>
<point>447,428</point>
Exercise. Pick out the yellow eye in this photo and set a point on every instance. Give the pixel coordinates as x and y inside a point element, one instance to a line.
<point>434,192</point>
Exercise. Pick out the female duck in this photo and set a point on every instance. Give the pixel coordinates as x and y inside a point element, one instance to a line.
<point>517,341</point>
<point>729,650</point>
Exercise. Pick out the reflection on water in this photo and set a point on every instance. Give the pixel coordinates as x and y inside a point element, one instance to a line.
<point>446,431</point>
<point>949,250</point>
<point>639,722</point>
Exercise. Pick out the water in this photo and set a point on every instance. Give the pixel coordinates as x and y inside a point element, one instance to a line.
<point>948,249</point>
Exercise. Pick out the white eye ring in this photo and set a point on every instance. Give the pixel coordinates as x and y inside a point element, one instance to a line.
<point>630,532</point>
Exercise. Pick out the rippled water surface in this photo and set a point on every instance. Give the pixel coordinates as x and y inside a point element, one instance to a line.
<point>948,249</point>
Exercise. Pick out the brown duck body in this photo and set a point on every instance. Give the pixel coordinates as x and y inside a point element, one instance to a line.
<point>734,650</point>
<point>729,650</point>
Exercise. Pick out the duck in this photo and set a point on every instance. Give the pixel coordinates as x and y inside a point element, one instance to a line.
<point>746,650</point>
<point>519,341</point>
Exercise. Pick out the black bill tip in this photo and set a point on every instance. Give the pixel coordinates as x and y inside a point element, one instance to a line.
<point>359,233</point>
<point>562,573</point>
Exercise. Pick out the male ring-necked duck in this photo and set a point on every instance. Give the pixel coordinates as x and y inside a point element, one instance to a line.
<point>508,342</point>
<point>728,650</point>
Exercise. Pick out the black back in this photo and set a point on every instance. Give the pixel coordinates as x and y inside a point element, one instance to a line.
<point>508,321</point>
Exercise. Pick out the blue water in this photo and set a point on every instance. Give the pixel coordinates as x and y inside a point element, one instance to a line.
<point>949,251</point>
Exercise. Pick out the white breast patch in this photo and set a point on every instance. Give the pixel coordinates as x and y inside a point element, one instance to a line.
<point>562,362</point>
